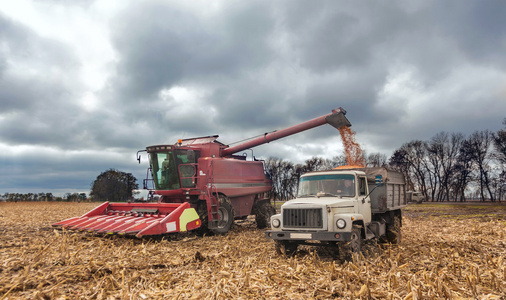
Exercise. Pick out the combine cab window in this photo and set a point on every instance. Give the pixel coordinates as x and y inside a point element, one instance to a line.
<point>166,168</point>
<point>332,185</point>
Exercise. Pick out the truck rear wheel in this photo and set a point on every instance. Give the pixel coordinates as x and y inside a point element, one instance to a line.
<point>393,234</point>
<point>264,211</point>
<point>287,248</point>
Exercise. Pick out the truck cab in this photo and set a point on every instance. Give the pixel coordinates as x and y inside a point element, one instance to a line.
<point>337,207</point>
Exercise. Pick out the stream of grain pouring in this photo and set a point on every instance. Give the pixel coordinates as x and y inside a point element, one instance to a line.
<point>354,154</point>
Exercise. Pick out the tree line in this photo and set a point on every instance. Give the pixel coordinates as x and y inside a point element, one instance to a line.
<point>70,197</point>
<point>448,167</point>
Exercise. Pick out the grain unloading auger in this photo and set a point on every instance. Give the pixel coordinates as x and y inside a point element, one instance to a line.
<point>201,183</point>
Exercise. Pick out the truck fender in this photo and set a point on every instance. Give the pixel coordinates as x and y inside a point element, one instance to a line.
<point>350,219</point>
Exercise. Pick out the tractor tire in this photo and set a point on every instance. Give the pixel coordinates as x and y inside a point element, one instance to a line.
<point>287,248</point>
<point>263,214</point>
<point>226,213</point>
<point>202,212</point>
<point>393,233</point>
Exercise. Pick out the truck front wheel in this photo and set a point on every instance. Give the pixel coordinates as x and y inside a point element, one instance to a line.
<point>347,249</point>
<point>287,248</point>
<point>356,240</point>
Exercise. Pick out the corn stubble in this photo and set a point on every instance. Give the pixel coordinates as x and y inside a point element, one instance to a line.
<point>439,258</point>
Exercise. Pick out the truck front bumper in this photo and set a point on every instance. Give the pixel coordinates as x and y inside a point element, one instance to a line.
<point>308,235</point>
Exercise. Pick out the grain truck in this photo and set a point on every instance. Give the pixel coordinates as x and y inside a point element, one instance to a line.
<point>341,208</point>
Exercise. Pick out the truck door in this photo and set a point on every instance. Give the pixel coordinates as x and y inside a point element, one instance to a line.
<point>364,204</point>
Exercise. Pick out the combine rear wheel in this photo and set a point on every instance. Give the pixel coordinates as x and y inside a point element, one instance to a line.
<point>264,211</point>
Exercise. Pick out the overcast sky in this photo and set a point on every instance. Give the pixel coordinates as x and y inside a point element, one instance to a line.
<point>85,84</point>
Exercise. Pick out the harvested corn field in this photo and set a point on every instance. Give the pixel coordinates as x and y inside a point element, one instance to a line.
<point>447,252</point>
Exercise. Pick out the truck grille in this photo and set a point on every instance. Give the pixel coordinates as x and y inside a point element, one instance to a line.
<point>302,217</point>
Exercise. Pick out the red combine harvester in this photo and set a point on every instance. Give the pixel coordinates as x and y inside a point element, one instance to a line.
<point>201,183</point>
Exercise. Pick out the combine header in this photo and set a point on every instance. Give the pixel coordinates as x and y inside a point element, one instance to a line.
<point>201,183</point>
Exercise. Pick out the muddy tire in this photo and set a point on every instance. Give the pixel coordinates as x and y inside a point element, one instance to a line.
<point>356,240</point>
<point>354,246</point>
<point>263,214</point>
<point>225,212</point>
<point>202,212</point>
<point>393,233</point>
<point>287,248</point>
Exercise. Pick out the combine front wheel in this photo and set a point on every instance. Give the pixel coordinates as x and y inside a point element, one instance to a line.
<point>226,213</point>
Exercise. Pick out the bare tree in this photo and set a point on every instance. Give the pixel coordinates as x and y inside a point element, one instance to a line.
<point>283,175</point>
<point>462,171</point>
<point>376,160</point>
<point>443,150</point>
<point>480,146</point>
<point>411,159</point>
<point>398,161</point>
<point>500,144</point>
<point>500,156</point>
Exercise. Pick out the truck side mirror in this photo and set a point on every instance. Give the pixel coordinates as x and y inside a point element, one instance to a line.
<point>379,180</point>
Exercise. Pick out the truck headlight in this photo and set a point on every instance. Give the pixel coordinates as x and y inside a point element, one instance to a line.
<point>340,223</point>
<point>276,223</point>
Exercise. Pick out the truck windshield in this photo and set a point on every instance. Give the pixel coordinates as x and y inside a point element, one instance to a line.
<point>330,185</point>
<point>166,166</point>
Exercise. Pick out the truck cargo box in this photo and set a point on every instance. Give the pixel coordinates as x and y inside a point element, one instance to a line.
<point>391,195</point>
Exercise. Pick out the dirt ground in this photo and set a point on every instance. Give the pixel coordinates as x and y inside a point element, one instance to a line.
<point>448,252</point>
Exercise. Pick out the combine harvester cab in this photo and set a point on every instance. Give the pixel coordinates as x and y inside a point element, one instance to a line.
<point>200,183</point>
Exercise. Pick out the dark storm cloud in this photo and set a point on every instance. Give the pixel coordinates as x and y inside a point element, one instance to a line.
<point>161,45</point>
<point>479,30</point>
<point>230,54</point>
<point>402,70</point>
<point>333,34</point>
<point>22,53</point>
<point>37,90</point>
